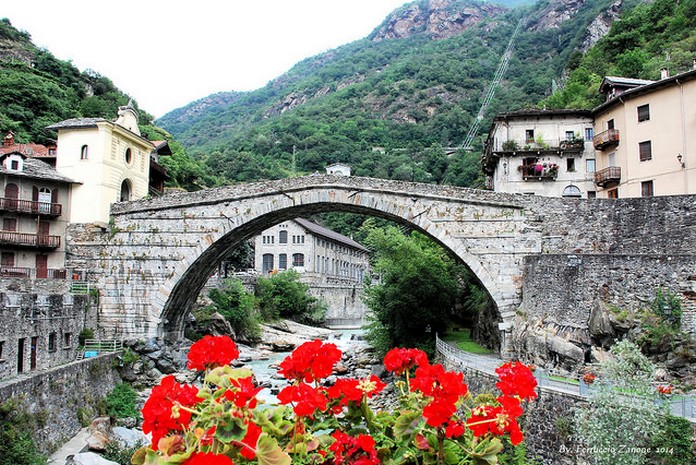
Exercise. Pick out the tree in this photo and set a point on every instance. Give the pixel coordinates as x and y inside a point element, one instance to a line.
<point>284,296</point>
<point>416,291</point>
<point>622,417</point>
<point>239,306</point>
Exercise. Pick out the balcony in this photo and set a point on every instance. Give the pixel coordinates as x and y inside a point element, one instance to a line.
<point>22,272</point>
<point>34,241</point>
<point>556,146</point>
<point>608,176</point>
<point>30,206</point>
<point>539,172</point>
<point>606,139</point>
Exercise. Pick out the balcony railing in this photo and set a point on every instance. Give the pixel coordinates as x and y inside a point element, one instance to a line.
<point>607,176</point>
<point>22,272</point>
<point>573,146</point>
<point>30,206</point>
<point>606,139</point>
<point>40,241</point>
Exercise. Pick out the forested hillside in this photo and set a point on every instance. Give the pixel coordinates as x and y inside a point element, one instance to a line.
<point>652,36</point>
<point>391,103</point>
<point>37,89</point>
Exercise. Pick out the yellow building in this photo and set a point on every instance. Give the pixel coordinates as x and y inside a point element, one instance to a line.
<point>645,137</point>
<point>110,160</point>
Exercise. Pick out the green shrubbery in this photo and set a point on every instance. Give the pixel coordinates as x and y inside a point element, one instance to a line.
<point>120,402</point>
<point>17,446</point>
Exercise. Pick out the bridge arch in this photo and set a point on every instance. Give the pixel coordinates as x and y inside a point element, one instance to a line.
<point>158,253</point>
<point>180,292</point>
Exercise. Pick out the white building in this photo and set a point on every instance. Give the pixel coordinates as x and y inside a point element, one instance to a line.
<point>338,169</point>
<point>320,254</point>
<point>542,152</point>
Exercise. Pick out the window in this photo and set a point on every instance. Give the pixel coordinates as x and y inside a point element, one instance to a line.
<point>267,263</point>
<point>613,194</point>
<point>283,261</point>
<point>298,259</point>
<point>52,342</point>
<point>591,194</point>
<point>610,124</point>
<point>529,135</point>
<point>14,165</point>
<point>646,189</point>
<point>84,152</point>
<point>128,156</point>
<point>302,239</point>
<point>125,191</point>
<point>570,135</point>
<point>9,224</point>
<point>590,165</point>
<point>572,191</point>
<point>643,113</point>
<point>2,346</point>
<point>645,150</point>
<point>7,259</point>
<point>67,339</point>
<point>589,134</point>
<point>283,237</point>
<point>570,164</point>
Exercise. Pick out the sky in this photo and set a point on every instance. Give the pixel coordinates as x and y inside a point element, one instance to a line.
<point>167,53</point>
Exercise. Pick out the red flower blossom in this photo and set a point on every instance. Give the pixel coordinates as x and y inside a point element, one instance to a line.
<point>399,360</point>
<point>310,361</point>
<point>305,398</point>
<point>666,389</point>
<point>588,378</point>
<point>250,440</point>
<point>454,429</point>
<point>496,421</point>
<point>359,450</point>
<point>516,379</point>
<point>243,392</point>
<point>208,458</point>
<point>211,352</point>
<point>161,412</point>
<point>444,387</point>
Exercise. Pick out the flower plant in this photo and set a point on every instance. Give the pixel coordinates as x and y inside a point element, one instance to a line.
<point>222,422</point>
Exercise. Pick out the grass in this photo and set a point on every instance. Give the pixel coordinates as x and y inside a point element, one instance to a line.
<point>462,340</point>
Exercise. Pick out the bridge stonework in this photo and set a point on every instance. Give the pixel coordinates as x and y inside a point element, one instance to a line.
<point>157,254</point>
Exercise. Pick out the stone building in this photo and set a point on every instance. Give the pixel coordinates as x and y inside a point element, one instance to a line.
<point>645,136</point>
<point>320,254</point>
<point>542,152</point>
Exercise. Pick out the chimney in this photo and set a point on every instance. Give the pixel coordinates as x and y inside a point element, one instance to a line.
<point>9,139</point>
<point>664,73</point>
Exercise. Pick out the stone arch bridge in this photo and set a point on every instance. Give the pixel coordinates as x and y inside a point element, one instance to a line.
<point>155,256</point>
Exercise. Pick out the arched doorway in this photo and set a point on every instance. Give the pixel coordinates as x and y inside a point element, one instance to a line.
<point>125,191</point>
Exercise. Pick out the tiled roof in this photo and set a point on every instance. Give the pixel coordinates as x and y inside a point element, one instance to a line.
<point>75,123</point>
<point>329,234</point>
<point>627,81</point>
<point>31,149</point>
<point>36,169</point>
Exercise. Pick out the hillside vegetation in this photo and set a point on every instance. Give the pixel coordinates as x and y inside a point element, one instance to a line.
<point>37,89</point>
<point>390,106</point>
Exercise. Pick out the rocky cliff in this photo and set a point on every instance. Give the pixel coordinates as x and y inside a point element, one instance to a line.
<point>439,19</point>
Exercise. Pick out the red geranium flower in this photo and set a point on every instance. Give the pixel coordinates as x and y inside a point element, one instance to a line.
<point>310,361</point>
<point>359,450</point>
<point>516,379</point>
<point>211,352</point>
<point>444,387</point>
<point>399,360</point>
<point>305,398</point>
<point>161,412</point>
<point>243,392</point>
<point>250,440</point>
<point>208,458</point>
<point>666,390</point>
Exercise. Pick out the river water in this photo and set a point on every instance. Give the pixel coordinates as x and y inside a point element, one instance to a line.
<point>266,370</point>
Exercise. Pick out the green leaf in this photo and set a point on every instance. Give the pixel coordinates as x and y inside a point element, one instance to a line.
<point>268,452</point>
<point>230,431</point>
<point>406,423</point>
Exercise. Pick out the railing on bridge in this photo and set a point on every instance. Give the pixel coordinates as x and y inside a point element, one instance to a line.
<point>96,347</point>
<point>682,406</point>
<point>345,322</point>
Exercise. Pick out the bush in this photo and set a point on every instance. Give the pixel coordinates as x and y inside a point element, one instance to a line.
<point>284,296</point>
<point>238,306</point>
<point>120,402</point>
<point>87,333</point>
<point>17,446</point>
<point>673,445</point>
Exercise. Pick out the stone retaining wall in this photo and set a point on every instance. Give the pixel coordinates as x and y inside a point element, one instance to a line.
<point>58,397</point>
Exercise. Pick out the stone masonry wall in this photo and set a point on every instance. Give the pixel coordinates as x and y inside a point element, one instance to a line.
<point>40,321</point>
<point>57,397</point>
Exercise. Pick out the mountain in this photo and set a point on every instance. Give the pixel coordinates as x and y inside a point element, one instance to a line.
<point>392,103</point>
